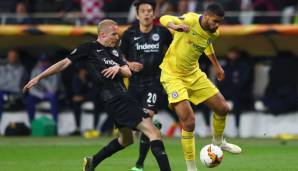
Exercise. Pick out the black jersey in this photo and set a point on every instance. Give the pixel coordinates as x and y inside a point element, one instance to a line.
<point>146,48</point>
<point>97,58</point>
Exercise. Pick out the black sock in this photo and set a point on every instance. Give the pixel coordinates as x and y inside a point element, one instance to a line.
<point>160,155</point>
<point>106,152</point>
<point>144,148</point>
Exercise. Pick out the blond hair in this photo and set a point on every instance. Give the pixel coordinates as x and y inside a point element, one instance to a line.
<point>103,25</point>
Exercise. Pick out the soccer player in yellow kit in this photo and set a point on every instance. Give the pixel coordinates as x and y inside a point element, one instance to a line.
<point>184,82</point>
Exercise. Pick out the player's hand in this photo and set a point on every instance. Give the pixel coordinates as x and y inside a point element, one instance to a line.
<point>111,72</point>
<point>220,73</point>
<point>180,27</point>
<point>135,66</point>
<point>30,84</point>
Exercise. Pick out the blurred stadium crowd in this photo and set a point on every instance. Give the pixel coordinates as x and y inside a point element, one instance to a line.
<point>73,87</point>
<point>82,12</point>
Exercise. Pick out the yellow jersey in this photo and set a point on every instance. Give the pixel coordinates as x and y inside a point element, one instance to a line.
<point>186,48</point>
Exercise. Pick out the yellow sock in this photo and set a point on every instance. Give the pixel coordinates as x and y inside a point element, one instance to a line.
<point>219,123</point>
<point>188,145</point>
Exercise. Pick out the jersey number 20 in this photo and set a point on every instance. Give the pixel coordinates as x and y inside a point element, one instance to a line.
<point>151,98</point>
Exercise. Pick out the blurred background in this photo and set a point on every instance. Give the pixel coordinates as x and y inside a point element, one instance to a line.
<point>257,48</point>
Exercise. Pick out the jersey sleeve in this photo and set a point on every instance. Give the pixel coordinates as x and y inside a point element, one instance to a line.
<point>125,43</point>
<point>78,53</point>
<point>188,19</point>
<point>209,49</point>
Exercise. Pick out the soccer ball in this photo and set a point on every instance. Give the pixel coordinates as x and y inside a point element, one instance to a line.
<point>211,155</point>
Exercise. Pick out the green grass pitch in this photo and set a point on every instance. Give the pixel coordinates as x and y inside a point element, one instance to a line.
<point>66,153</point>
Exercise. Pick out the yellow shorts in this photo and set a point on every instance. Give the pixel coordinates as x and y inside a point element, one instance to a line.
<point>195,87</point>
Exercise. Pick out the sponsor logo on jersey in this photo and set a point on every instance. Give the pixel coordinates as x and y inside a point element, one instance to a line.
<point>194,33</point>
<point>74,51</point>
<point>198,48</point>
<point>155,37</point>
<point>146,47</point>
<point>137,38</point>
<point>109,62</point>
<point>99,50</point>
<point>175,95</point>
<point>115,52</point>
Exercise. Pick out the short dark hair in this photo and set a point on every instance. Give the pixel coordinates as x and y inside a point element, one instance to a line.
<point>137,4</point>
<point>216,8</point>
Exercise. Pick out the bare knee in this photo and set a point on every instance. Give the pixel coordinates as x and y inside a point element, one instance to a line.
<point>126,137</point>
<point>153,134</point>
<point>147,127</point>
<point>125,141</point>
<point>223,110</point>
<point>188,123</point>
<point>186,115</point>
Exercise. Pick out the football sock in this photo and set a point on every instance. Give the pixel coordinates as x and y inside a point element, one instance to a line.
<point>113,147</point>
<point>219,123</point>
<point>191,165</point>
<point>188,146</point>
<point>144,148</point>
<point>158,150</point>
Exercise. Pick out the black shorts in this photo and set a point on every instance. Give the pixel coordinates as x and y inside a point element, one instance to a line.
<point>126,111</point>
<point>150,97</point>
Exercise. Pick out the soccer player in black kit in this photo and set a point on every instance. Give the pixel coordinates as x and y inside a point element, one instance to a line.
<point>107,68</point>
<point>143,46</point>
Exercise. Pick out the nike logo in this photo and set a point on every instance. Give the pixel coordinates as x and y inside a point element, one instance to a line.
<point>149,105</point>
<point>99,50</point>
<point>137,38</point>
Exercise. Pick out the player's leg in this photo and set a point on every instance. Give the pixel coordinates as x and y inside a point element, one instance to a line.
<point>203,90</point>
<point>187,120</point>
<point>150,102</point>
<point>125,139</point>
<point>220,107</point>
<point>218,104</point>
<point>177,91</point>
<point>143,150</point>
<point>144,146</point>
<point>156,144</point>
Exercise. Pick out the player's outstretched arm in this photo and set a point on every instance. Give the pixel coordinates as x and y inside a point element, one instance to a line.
<point>57,67</point>
<point>174,23</point>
